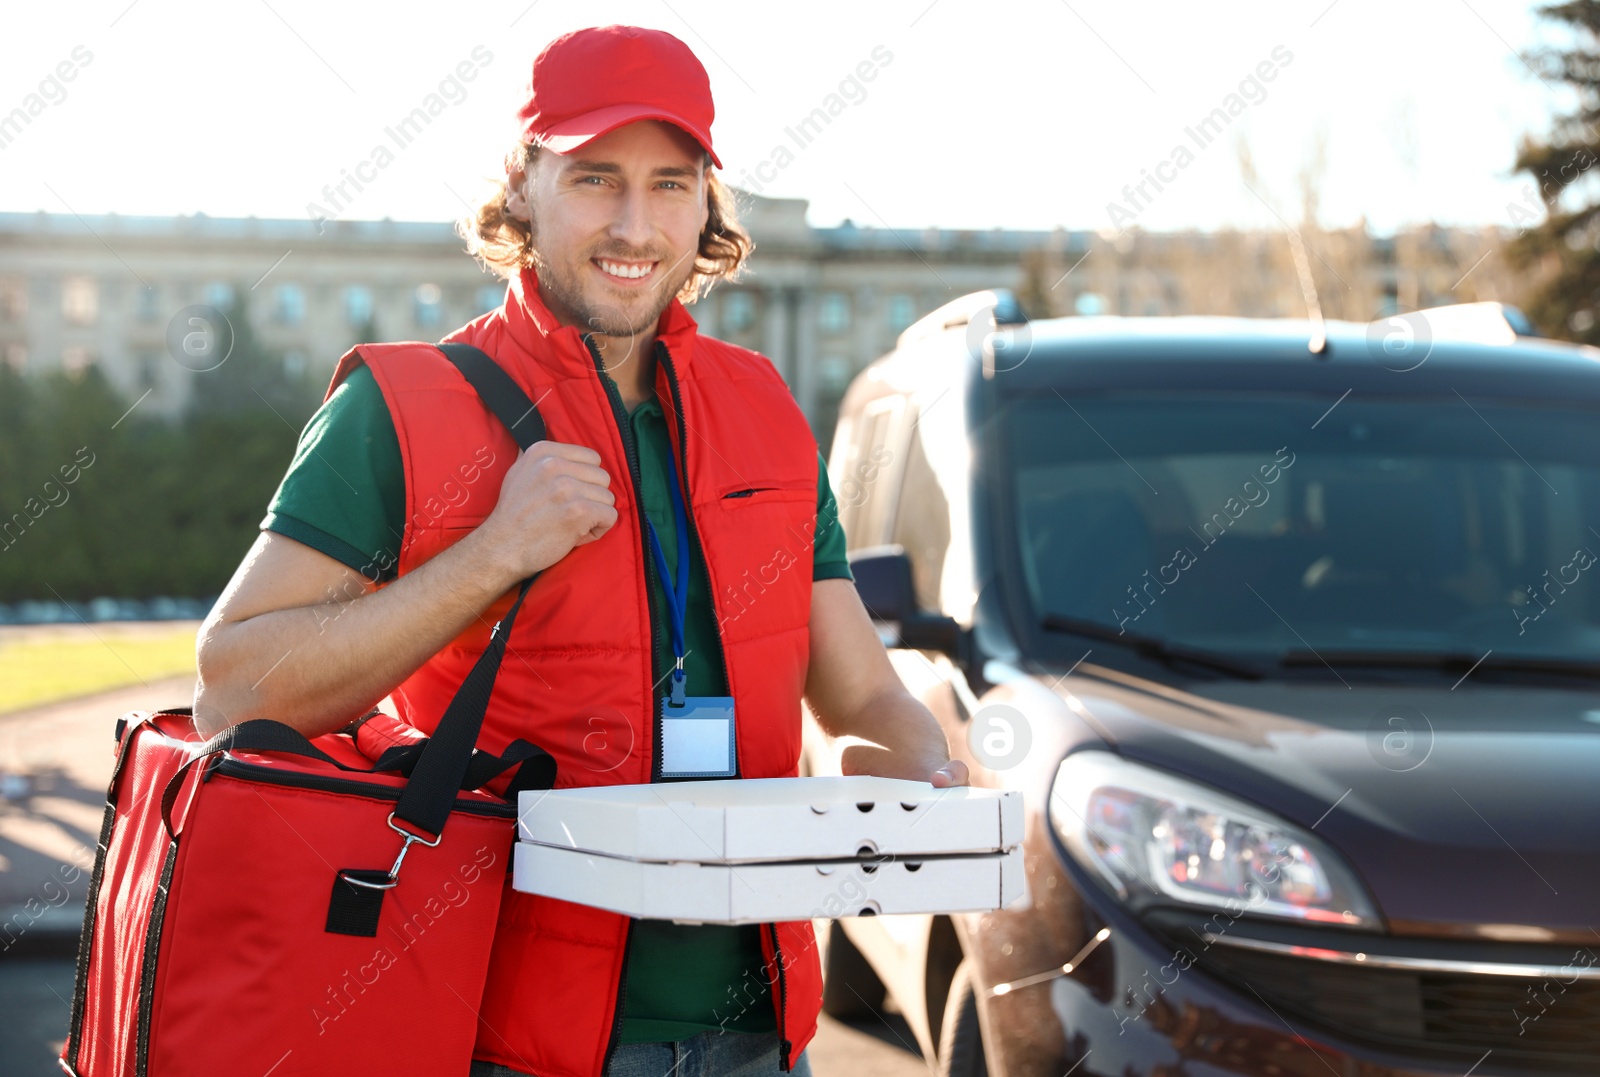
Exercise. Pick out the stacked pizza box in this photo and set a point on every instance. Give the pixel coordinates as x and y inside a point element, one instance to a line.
<point>767,849</point>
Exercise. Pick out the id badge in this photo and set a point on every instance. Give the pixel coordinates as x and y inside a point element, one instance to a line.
<point>697,738</point>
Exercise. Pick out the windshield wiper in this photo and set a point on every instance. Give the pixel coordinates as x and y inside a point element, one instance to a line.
<point>1443,661</point>
<point>1154,647</point>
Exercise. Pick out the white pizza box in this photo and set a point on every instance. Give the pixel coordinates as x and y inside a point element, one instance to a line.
<point>748,820</point>
<point>761,893</point>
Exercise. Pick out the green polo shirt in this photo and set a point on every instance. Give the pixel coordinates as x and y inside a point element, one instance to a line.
<point>344,495</point>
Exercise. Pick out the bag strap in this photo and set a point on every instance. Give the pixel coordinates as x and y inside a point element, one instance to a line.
<point>449,757</point>
<point>499,392</point>
<point>430,794</point>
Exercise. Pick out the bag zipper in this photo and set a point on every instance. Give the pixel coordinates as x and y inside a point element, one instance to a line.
<point>108,822</point>
<point>257,772</point>
<point>147,971</point>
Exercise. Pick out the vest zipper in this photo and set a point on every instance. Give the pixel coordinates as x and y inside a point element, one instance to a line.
<point>664,356</point>
<point>784,1046</point>
<point>631,451</point>
<point>620,414</point>
<point>622,997</point>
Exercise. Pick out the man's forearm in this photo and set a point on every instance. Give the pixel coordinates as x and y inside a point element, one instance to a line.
<point>913,745</point>
<point>317,667</point>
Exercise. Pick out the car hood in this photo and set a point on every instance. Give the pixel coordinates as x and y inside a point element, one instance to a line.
<point>1468,811</point>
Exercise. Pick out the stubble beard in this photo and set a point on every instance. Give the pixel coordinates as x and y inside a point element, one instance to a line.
<point>566,292</point>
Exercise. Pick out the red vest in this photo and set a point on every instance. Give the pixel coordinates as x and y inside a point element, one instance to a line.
<point>578,677</point>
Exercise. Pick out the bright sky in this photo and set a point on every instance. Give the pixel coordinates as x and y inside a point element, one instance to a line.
<point>979,113</point>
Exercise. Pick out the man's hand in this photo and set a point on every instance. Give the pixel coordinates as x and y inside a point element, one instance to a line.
<point>555,497</point>
<point>923,759</point>
<point>301,638</point>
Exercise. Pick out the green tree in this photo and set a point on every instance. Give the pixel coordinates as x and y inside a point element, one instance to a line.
<point>1561,250</point>
<point>100,501</point>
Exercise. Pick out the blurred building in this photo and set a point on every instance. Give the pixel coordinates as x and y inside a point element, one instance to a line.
<point>1357,276</point>
<point>821,302</point>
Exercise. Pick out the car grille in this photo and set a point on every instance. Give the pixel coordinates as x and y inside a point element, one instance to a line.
<point>1541,1022</point>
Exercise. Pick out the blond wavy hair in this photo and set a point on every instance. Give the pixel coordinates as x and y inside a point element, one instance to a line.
<point>504,244</point>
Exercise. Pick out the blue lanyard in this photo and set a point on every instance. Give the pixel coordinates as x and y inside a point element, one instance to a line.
<point>677,597</point>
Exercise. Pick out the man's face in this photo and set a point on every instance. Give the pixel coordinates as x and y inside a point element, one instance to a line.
<point>616,225</point>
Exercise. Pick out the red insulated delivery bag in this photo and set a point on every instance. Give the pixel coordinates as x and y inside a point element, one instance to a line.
<point>271,906</point>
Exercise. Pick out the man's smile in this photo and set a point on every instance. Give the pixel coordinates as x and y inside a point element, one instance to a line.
<point>621,270</point>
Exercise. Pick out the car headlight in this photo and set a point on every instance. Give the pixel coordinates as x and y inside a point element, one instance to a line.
<point>1157,839</point>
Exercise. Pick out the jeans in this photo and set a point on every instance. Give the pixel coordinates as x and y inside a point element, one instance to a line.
<point>710,1054</point>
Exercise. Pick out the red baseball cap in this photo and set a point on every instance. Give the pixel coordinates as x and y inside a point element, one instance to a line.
<point>592,81</point>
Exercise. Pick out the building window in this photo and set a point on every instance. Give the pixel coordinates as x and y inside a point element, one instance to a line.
<point>427,305</point>
<point>149,371</point>
<point>289,305</point>
<point>357,305</point>
<point>490,296</point>
<point>902,312</point>
<point>833,312</point>
<point>834,373</point>
<point>76,359</point>
<point>738,311</point>
<point>1089,305</point>
<point>219,294</point>
<point>149,305</point>
<point>13,299</point>
<point>80,300</point>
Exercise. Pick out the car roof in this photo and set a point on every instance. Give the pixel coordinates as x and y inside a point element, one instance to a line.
<point>1232,353</point>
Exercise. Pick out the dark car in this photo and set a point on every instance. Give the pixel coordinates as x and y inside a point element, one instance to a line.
<point>1290,637</point>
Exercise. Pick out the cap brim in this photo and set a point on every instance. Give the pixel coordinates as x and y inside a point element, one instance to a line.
<point>573,134</point>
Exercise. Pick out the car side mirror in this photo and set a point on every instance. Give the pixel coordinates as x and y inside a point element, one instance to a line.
<point>884,582</point>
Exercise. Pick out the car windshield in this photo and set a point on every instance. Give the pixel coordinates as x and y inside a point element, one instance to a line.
<point>1262,525</point>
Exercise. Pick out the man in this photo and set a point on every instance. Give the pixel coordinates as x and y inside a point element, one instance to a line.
<point>679,486</point>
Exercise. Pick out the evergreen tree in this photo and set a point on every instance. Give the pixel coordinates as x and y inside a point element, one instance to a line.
<point>1563,249</point>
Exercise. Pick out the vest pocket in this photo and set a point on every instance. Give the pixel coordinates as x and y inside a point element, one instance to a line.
<point>742,495</point>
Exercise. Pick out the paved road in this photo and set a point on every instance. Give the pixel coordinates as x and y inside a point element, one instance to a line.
<point>35,992</point>
<point>49,825</point>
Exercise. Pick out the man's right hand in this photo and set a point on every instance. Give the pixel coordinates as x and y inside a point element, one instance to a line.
<point>554,497</point>
<point>299,637</point>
